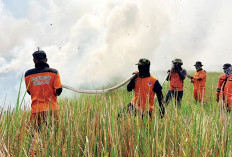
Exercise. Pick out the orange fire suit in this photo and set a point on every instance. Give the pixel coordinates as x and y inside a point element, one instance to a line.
<point>225,91</point>
<point>222,78</point>
<point>199,81</point>
<point>43,84</point>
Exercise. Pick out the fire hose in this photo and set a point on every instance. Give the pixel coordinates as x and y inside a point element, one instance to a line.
<point>99,91</point>
<point>104,90</point>
<point>166,78</point>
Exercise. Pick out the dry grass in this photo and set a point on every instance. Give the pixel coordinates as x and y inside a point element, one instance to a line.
<point>89,126</point>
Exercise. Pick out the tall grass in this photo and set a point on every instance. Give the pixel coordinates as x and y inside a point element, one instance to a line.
<point>89,126</point>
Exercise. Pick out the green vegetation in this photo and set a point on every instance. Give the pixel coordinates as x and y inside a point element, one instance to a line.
<point>88,126</point>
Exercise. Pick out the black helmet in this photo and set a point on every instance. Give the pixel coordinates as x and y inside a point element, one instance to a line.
<point>198,63</point>
<point>40,55</point>
<point>227,65</point>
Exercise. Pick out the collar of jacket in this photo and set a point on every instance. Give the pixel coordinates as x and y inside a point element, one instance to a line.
<point>41,65</point>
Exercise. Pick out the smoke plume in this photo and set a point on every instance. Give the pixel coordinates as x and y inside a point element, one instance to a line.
<point>92,43</point>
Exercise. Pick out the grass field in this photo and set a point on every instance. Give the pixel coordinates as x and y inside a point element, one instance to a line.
<point>88,126</point>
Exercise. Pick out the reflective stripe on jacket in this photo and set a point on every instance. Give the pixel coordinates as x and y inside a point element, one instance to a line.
<point>42,83</point>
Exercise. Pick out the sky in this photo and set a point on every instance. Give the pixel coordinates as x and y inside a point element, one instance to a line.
<point>92,43</point>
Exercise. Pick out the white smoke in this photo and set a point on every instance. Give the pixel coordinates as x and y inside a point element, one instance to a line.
<point>90,43</point>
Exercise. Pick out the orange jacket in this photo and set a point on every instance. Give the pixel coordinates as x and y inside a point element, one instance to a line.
<point>144,94</point>
<point>199,79</point>
<point>221,80</point>
<point>42,83</point>
<point>228,88</point>
<point>176,83</point>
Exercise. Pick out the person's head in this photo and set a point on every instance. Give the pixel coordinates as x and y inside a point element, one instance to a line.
<point>198,65</point>
<point>226,66</point>
<point>177,62</point>
<point>143,66</point>
<point>39,56</point>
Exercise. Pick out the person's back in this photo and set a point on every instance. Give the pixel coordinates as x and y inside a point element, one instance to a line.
<point>44,85</point>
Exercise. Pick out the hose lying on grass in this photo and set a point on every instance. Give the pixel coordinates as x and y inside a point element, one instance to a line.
<point>100,91</point>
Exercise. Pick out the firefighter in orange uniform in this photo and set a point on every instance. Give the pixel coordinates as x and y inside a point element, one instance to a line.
<point>44,85</point>
<point>176,77</point>
<point>224,89</point>
<point>199,81</point>
<point>145,86</point>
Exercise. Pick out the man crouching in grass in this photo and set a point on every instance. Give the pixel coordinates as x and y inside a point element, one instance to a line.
<point>145,86</point>
<point>44,85</point>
